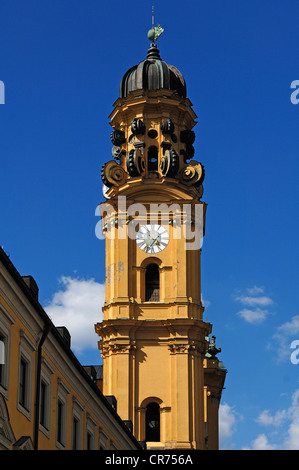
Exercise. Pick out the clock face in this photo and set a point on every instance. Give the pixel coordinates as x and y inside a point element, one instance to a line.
<point>152,238</point>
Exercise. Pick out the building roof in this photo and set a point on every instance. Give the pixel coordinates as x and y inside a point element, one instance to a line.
<point>152,74</point>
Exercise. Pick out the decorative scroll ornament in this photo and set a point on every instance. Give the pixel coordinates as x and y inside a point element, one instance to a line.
<point>117,153</point>
<point>167,127</point>
<point>138,127</point>
<point>192,174</point>
<point>113,174</point>
<point>169,163</point>
<point>135,162</point>
<point>187,137</point>
<point>117,137</point>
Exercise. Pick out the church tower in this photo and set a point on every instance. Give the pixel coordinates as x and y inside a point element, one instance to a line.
<point>158,360</point>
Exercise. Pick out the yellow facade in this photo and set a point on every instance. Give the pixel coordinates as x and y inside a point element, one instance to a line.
<point>154,349</point>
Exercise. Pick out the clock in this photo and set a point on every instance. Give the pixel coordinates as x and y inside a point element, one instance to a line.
<point>152,238</point>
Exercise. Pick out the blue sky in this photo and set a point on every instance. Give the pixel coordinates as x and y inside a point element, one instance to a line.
<point>61,63</point>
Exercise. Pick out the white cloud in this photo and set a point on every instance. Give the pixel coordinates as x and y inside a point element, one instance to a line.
<point>247,300</point>
<point>254,303</point>
<point>292,440</point>
<point>227,422</point>
<point>261,443</point>
<point>289,435</point>
<point>78,306</point>
<point>253,316</point>
<point>205,302</point>
<point>276,420</point>
<point>255,290</point>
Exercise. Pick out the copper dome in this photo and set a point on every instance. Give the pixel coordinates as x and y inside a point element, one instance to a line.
<point>152,74</point>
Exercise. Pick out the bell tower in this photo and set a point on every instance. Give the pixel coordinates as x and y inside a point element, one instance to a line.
<point>153,340</point>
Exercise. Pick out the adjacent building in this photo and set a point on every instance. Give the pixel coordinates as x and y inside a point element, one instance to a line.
<point>48,400</point>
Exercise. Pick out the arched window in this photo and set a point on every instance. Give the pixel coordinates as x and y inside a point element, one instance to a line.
<point>152,158</point>
<point>152,283</point>
<point>152,422</point>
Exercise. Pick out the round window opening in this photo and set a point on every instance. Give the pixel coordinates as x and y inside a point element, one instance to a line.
<point>152,133</point>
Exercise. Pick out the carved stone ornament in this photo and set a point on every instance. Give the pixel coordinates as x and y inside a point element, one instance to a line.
<point>117,349</point>
<point>178,348</point>
<point>137,127</point>
<point>190,151</point>
<point>117,153</point>
<point>192,174</point>
<point>113,174</point>
<point>117,137</point>
<point>135,162</point>
<point>187,136</point>
<point>167,127</point>
<point>169,163</point>
<point>181,348</point>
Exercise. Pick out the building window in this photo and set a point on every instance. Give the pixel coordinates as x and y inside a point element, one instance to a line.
<point>23,383</point>
<point>89,441</point>
<point>61,413</point>
<point>61,418</point>
<point>90,432</point>
<point>152,284</point>
<point>44,404</point>
<point>152,422</point>
<point>103,440</point>
<point>45,397</point>
<point>25,375</point>
<point>152,158</point>
<point>6,321</point>
<point>76,424</point>
<point>2,360</point>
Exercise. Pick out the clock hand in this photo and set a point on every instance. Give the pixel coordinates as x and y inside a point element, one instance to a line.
<point>154,241</point>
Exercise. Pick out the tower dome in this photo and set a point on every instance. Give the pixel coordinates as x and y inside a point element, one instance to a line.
<point>152,74</point>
